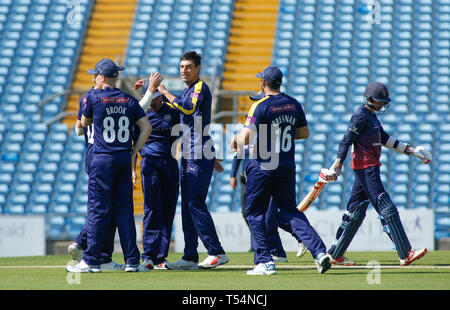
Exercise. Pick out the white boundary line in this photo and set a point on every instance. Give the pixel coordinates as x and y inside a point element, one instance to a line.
<point>279,267</point>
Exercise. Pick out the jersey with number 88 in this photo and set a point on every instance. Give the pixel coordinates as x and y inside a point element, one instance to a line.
<point>114,114</point>
<point>109,131</point>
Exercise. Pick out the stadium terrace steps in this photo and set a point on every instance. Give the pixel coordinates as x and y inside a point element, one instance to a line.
<point>250,48</point>
<point>106,37</point>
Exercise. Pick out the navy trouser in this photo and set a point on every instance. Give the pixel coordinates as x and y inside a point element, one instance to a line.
<point>367,186</point>
<point>110,197</point>
<point>160,177</point>
<point>279,218</point>
<point>260,189</point>
<point>81,239</point>
<point>195,178</point>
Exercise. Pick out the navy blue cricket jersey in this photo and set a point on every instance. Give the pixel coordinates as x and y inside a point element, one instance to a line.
<point>286,114</point>
<point>89,130</point>
<point>114,115</point>
<point>159,143</point>
<point>367,136</point>
<point>195,101</point>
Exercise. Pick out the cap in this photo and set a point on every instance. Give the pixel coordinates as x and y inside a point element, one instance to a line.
<point>156,94</point>
<point>145,86</point>
<point>106,67</point>
<point>270,74</point>
<point>258,96</point>
<point>378,92</point>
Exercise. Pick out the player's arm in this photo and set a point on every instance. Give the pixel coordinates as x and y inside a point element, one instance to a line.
<point>404,148</point>
<point>155,80</point>
<point>356,126</point>
<point>85,121</point>
<point>234,169</point>
<point>87,112</point>
<point>187,105</point>
<point>244,137</point>
<point>302,129</point>
<point>302,133</point>
<point>79,128</point>
<point>145,129</point>
<point>170,97</point>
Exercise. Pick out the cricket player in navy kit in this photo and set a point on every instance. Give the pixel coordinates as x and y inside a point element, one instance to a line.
<point>160,181</point>
<point>76,249</point>
<point>110,190</point>
<point>277,250</point>
<point>367,136</point>
<point>197,165</point>
<point>275,121</point>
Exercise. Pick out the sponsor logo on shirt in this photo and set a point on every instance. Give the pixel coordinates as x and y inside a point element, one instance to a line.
<point>282,108</point>
<point>114,100</point>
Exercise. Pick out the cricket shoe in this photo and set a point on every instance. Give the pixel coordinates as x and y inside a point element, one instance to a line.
<point>148,263</point>
<point>161,266</point>
<point>263,269</point>
<point>182,265</point>
<point>112,266</point>
<point>279,259</point>
<point>413,255</point>
<point>82,267</point>
<point>213,261</point>
<point>136,268</point>
<point>322,263</point>
<point>301,250</point>
<point>75,251</point>
<point>341,261</point>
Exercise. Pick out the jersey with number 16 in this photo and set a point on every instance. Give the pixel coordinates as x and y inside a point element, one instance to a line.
<point>281,115</point>
<point>114,114</point>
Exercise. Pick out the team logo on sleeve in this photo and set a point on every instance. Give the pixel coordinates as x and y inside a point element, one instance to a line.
<point>251,120</point>
<point>354,129</point>
<point>196,95</point>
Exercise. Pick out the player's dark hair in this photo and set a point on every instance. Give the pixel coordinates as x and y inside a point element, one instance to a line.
<point>275,84</point>
<point>194,56</point>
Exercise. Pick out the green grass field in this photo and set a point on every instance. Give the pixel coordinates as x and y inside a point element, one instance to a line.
<point>430,273</point>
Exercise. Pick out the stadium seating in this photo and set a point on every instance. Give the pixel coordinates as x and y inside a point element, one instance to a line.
<point>326,50</point>
<point>39,47</point>
<point>157,43</point>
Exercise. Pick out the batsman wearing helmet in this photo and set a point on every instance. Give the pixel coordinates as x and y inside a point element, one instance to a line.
<point>367,136</point>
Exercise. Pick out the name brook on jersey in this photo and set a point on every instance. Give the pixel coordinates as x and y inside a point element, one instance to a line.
<point>116,110</point>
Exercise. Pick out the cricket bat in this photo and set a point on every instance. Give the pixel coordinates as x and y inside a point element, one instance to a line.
<point>314,192</point>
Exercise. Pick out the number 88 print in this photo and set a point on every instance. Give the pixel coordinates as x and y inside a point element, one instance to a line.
<point>123,133</point>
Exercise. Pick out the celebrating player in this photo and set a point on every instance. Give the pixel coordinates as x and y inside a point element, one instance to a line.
<point>281,116</point>
<point>197,166</point>
<point>273,222</point>
<point>110,190</point>
<point>76,249</point>
<point>368,136</point>
<point>160,175</point>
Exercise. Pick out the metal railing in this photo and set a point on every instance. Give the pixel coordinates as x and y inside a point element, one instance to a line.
<point>235,113</point>
<point>65,93</point>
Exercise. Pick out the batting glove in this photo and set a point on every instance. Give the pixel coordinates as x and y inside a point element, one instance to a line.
<point>421,153</point>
